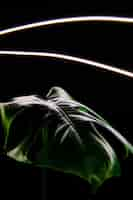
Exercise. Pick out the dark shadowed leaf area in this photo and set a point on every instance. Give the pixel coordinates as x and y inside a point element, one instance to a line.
<point>59,133</point>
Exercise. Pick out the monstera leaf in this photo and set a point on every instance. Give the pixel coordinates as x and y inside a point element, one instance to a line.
<point>60,133</point>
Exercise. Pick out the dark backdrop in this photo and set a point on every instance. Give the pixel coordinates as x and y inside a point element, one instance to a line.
<point>108,93</point>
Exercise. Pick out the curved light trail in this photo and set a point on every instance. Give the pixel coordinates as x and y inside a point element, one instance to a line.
<point>69,58</point>
<point>46,23</point>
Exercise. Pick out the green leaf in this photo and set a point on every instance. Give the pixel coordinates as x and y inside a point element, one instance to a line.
<point>60,133</point>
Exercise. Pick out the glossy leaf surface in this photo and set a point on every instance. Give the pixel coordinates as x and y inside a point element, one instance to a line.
<point>60,133</point>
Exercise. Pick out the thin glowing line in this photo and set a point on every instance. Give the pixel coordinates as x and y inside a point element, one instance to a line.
<point>69,58</point>
<point>67,20</point>
<point>66,57</point>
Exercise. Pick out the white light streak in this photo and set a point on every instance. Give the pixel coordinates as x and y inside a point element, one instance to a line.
<point>69,58</point>
<point>78,19</point>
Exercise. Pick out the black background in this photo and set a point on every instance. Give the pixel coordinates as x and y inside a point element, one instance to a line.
<point>108,93</point>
